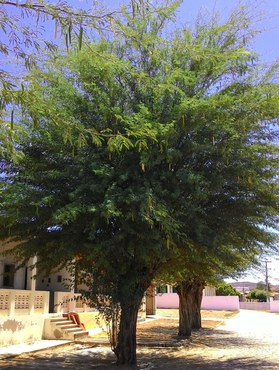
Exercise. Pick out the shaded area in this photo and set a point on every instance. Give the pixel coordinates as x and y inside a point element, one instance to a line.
<point>196,357</point>
<point>207,349</point>
<point>163,332</point>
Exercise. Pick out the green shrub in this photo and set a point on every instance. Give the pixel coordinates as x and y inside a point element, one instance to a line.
<point>258,295</point>
<point>226,289</point>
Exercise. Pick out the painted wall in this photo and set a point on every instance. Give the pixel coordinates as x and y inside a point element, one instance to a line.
<point>58,281</point>
<point>228,303</point>
<point>258,306</point>
<point>171,300</point>
<point>167,300</point>
<point>21,329</point>
<point>274,306</point>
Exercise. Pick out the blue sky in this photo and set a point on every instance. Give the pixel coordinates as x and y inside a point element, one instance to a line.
<point>266,43</point>
<point>268,10</point>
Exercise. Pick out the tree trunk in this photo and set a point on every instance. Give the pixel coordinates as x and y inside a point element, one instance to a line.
<point>190,296</point>
<point>185,323</point>
<point>125,349</point>
<point>126,345</point>
<point>197,299</point>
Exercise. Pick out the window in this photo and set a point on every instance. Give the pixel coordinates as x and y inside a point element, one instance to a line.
<point>162,289</point>
<point>8,277</point>
<point>59,279</point>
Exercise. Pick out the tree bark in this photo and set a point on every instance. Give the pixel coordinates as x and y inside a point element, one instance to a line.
<point>197,299</point>
<point>190,297</point>
<point>125,349</point>
<point>185,323</point>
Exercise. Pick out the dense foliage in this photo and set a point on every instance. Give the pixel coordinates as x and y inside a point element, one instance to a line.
<point>257,295</point>
<point>142,148</point>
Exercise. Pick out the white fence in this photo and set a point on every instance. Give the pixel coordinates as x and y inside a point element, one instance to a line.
<point>23,302</point>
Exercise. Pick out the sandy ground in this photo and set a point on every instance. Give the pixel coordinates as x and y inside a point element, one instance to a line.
<point>246,340</point>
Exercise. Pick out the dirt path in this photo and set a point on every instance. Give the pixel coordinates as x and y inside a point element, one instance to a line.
<point>249,340</point>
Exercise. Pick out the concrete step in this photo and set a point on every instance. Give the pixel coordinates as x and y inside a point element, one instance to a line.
<point>59,319</point>
<point>81,334</point>
<point>73,329</point>
<point>63,323</point>
<point>68,326</point>
<point>63,328</point>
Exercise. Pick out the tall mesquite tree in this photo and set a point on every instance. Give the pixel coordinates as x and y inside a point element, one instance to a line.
<point>142,146</point>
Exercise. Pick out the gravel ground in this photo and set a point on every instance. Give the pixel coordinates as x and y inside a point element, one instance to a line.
<point>248,340</point>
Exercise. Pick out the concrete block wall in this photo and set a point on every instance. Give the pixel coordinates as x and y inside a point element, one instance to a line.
<point>21,329</point>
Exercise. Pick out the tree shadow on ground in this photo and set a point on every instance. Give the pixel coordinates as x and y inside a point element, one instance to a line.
<point>206,350</point>
<point>218,350</point>
<point>91,358</point>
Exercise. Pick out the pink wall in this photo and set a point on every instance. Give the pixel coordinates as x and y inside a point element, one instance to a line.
<point>167,300</point>
<point>229,303</point>
<point>274,306</point>
<point>171,300</point>
<point>257,306</point>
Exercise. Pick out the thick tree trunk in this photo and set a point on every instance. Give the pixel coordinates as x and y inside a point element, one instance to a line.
<point>185,322</point>
<point>197,299</point>
<point>126,345</point>
<point>190,296</point>
<point>125,349</point>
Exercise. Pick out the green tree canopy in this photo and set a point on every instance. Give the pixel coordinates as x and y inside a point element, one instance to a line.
<point>25,41</point>
<point>142,146</point>
<point>226,289</point>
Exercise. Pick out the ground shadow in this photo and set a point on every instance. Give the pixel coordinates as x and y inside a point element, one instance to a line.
<point>206,350</point>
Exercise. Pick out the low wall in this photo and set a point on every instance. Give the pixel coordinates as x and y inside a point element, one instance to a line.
<point>258,306</point>
<point>14,302</point>
<point>228,303</point>
<point>274,306</point>
<point>167,300</point>
<point>171,300</point>
<point>21,329</point>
